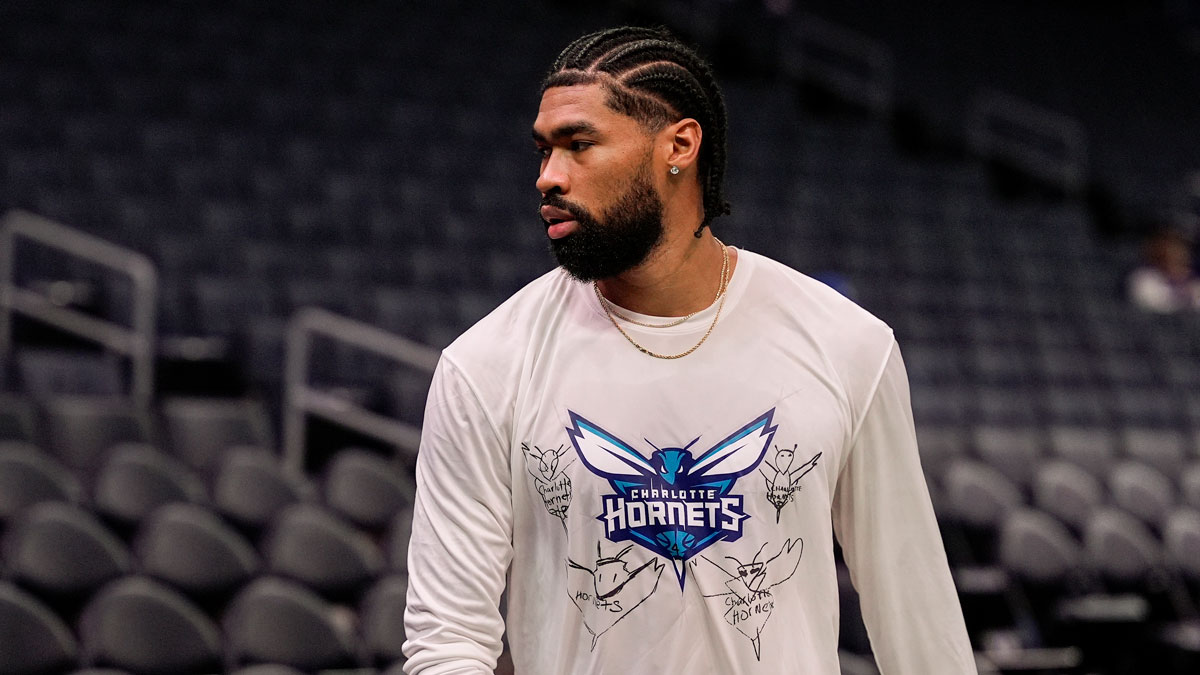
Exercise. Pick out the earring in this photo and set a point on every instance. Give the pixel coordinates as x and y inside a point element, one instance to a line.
<point>674,170</point>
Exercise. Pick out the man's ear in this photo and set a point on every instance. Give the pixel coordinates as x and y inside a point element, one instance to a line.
<point>683,143</point>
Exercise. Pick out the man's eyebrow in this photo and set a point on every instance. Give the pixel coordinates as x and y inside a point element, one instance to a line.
<point>567,130</point>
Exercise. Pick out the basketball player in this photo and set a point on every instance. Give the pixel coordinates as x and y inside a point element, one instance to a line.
<point>651,448</point>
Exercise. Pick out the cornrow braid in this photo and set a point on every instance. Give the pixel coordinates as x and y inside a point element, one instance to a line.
<point>652,76</point>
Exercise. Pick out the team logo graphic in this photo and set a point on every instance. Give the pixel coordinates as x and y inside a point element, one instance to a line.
<point>550,478</point>
<point>746,593</point>
<point>672,502</point>
<point>783,479</point>
<point>612,589</point>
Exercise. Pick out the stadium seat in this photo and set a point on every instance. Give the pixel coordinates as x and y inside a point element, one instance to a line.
<point>274,620</point>
<point>1181,541</point>
<point>1122,550</point>
<point>366,488</point>
<point>1142,491</point>
<point>1163,449</point>
<point>312,545</point>
<point>1036,547</point>
<point>397,539</point>
<point>62,553</point>
<point>1067,492</point>
<point>939,445</point>
<point>142,626</point>
<point>16,418</point>
<point>193,550</point>
<point>80,430</point>
<point>33,639</point>
<point>1092,448</point>
<point>29,476</point>
<point>267,669</point>
<point>252,485</point>
<point>138,478</point>
<point>46,373</point>
<point>1014,451</point>
<point>1189,484</point>
<point>200,430</point>
<point>382,615</point>
<point>979,497</point>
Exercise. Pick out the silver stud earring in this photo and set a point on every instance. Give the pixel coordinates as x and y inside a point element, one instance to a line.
<point>674,170</point>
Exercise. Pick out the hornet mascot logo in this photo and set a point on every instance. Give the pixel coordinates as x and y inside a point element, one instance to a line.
<point>674,503</point>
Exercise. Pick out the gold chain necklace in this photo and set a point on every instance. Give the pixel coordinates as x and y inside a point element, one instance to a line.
<point>720,305</point>
<point>612,309</point>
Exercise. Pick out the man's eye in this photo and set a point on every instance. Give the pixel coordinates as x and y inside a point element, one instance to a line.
<point>542,152</point>
<point>578,146</point>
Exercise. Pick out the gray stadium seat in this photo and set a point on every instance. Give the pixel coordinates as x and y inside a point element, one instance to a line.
<point>252,485</point>
<point>80,430</point>
<point>46,373</point>
<point>137,478</point>
<point>938,446</point>
<point>366,488</point>
<point>1163,449</point>
<point>1189,484</point>
<point>324,552</point>
<point>978,494</point>
<point>274,620</point>
<point>62,553</point>
<point>29,476</point>
<point>1143,491</point>
<point>382,613</point>
<point>193,550</point>
<point>16,418</point>
<point>1014,451</point>
<point>1121,548</point>
<point>33,639</point>
<point>140,625</point>
<point>397,539</point>
<point>1181,541</point>
<point>267,669</point>
<point>1067,492</point>
<point>1036,547</point>
<point>1092,448</point>
<point>200,430</point>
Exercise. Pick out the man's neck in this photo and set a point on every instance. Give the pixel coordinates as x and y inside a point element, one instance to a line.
<point>681,276</point>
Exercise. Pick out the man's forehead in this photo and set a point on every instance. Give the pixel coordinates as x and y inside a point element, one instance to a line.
<point>579,107</point>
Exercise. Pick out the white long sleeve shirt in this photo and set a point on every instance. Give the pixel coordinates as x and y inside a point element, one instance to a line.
<point>675,516</point>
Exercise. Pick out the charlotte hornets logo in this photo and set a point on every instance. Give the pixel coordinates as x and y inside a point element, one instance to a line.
<point>672,502</point>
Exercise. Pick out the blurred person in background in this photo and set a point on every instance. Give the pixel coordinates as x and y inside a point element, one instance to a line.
<point>646,448</point>
<point>1166,281</point>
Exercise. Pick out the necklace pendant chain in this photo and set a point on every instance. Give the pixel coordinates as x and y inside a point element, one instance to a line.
<point>720,300</point>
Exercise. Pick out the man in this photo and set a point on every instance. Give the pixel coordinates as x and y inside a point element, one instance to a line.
<point>647,448</point>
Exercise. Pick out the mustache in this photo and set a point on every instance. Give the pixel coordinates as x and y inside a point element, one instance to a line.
<point>557,201</point>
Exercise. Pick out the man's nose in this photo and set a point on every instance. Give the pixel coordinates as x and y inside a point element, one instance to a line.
<point>553,175</point>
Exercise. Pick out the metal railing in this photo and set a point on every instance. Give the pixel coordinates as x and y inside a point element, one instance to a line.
<point>858,68</point>
<point>1049,145</point>
<point>135,342</point>
<point>301,399</point>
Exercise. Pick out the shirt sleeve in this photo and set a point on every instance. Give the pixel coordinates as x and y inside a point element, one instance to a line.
<point>885,523</point>
<point>461,542</point>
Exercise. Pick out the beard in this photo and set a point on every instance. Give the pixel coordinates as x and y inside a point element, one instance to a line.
<point>616,242</point>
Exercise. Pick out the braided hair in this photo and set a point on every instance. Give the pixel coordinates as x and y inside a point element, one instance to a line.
<point>653,77</point>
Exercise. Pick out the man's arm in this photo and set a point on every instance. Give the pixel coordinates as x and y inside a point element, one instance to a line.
<point>886,526</point>
<point>461,535</point>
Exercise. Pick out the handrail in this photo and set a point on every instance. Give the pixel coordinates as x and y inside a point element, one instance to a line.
<point>135,342</point>
<point>858,67</point>
<point>301,399</point>
<point>1048,144</point>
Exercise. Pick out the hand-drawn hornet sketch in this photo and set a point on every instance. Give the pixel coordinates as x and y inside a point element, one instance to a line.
<point>748,598</point>
<point>611,590</point>
<point>549,479</point>
<point>783,480</point>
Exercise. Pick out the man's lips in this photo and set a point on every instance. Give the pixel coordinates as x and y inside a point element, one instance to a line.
<point>559,222</point>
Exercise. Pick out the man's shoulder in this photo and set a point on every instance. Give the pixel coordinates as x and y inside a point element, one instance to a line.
<point>820,307</point>
<point>509,328</point>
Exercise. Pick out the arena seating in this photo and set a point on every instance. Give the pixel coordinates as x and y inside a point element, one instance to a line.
<point>268,159</point>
